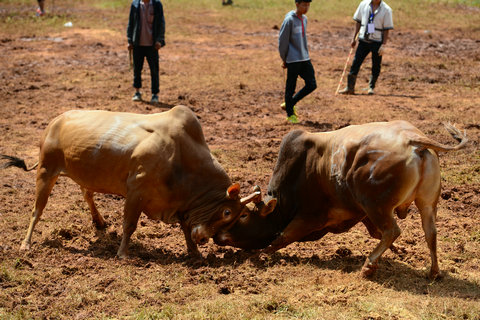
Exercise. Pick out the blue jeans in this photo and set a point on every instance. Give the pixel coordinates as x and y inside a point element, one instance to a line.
<point>305,70</point>
<point>364,48</point>
<point>139,55</point>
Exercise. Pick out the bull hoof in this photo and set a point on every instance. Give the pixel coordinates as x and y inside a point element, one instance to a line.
<point>25,246</point>
<point>100,225</point>
<point>434,275</point>
<point>368,269</point>
<point>122,255</point>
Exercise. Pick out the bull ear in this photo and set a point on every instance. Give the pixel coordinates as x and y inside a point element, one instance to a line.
<point>268,208</point>
<point>233,191</point>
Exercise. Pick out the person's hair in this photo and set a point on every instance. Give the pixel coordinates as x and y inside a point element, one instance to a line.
<point>298,1</point>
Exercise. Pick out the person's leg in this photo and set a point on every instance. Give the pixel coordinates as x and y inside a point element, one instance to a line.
<point>376,64</point>
<point>41,8</point>
<point>293,70</point>
<point>362,51</point>
<point>138,59</point>
<point>308,75</point>
<point>152,59</point>
<point>360,54</point>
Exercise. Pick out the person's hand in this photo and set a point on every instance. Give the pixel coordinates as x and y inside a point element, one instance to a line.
<point>381,50</point>
<point>158,45</point>
<point>354,43</point>
<point>284,65</point>
<point>130,46</point>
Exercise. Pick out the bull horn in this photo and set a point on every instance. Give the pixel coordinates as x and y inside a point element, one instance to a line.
<point>254,197</point>
<point>233,191</point>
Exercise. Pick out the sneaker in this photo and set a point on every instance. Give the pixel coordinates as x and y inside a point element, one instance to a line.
<point>370,91</point>
<point>137,96</point>
<point>154,99</point>
<point>39,12</point>
<point>283,106</point>
<point>293,119</point>
<point>226,3</point>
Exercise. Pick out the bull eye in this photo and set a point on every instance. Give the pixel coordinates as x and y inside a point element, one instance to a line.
<point>227,213</point>
<point>243,216</point>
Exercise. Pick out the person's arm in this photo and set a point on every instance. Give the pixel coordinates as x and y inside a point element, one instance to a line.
<point>160,41</point>
<point>385,37</point>
<point>130,27</point>
<point>357,28</point>
<point>284,41</point>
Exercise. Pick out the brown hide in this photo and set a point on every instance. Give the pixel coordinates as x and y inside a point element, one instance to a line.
<point>160,163</point>
<point>328,182</point>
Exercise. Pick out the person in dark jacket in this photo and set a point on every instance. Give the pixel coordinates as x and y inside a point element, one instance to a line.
<point>146,35</point>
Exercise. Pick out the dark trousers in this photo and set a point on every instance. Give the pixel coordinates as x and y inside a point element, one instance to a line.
<point>305,70</point>
<point>364,48</point>
<point>139,55</point>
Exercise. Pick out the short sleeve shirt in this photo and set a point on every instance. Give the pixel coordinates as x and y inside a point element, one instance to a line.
<point>382,19</point>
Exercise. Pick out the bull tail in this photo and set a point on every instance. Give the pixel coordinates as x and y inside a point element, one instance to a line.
<point>15,162</point>
<point>426,143</point>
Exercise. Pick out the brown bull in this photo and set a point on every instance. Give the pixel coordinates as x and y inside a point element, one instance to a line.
<point>328,182</point>
<point>160,163</point>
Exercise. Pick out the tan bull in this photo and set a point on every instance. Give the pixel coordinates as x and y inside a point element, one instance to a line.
<point>160,163</point>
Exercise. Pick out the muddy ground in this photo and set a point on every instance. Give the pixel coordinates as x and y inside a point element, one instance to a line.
<point>230,76</point>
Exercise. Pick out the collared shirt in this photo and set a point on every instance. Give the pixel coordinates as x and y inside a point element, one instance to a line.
<point>146,23</point>
<point>382,18</point>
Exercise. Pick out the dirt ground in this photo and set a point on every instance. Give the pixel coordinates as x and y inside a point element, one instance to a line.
<point>231,77</point>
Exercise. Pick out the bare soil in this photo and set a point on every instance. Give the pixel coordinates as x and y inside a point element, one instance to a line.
<point>231,77</point>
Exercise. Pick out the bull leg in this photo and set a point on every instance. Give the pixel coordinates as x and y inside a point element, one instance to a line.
<point>428,215</point>
<point>375,233</point>
<point>390,231</point>
<point>191,246</point>
<point>131,215</point>
<point>44,185</point>
<point>96,216</point>
<point>295,231</point>
<point>426,201</point>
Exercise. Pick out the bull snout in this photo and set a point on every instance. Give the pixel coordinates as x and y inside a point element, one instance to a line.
<point>200,235</point>
<point>222,239</point>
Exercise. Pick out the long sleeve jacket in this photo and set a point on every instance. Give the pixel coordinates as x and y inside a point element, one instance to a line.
<point>292,40</point>
<point>134,25</point>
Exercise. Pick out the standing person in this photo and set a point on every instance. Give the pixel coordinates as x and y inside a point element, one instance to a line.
<point>374,20</point>
<point>146,35</point>
<point>292,45</point>
<point>41,8</point>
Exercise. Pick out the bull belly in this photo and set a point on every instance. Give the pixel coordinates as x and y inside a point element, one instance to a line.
<point>100,183</point>
<point>167,216</point>
<point>341,220</point>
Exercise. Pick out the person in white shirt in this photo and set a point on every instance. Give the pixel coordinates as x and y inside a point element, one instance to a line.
<point>374,21</point>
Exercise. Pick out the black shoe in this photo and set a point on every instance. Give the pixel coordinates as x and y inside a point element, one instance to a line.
<point>137,96</point>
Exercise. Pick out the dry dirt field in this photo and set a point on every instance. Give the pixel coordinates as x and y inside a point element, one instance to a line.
<point>226,68</point>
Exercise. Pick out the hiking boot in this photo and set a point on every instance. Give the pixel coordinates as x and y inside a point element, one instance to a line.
<point>137,96</point>
<point>350,88</point>
<point>154,99</point>
<point>284,106</point>
<point>370,91</point>
<point>293,119</point>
